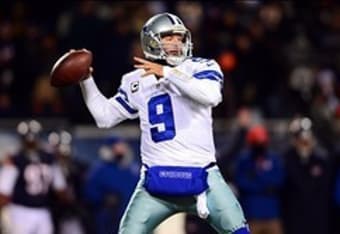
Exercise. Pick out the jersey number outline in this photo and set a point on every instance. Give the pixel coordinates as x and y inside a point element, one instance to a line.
<point>160,112</point>
<point>38,179</point>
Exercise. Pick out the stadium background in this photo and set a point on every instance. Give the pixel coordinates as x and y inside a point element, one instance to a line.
<point>280,60</point>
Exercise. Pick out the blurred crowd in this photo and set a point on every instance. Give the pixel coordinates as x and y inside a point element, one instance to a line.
<point>44,183</point>
<point>277,56</point>
<point>289,190</point>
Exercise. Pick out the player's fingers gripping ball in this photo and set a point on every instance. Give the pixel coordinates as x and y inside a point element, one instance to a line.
<point>150,68</point>
<point>71,68</point>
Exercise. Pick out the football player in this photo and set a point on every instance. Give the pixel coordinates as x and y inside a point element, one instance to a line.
<point>173,94</point>
<point>26,180</point>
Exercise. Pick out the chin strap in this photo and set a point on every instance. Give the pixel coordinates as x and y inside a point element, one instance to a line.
<point>174,60</point>
<point>201,205</point>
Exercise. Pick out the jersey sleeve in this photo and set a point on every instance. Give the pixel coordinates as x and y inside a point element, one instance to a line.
<point>200,81</point>
<point>8,177</point>
<point>123,101</point>
<point>208,69</point>
<point>106,112</point>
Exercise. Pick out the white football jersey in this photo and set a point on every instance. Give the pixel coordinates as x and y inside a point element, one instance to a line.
<point>175,129</point>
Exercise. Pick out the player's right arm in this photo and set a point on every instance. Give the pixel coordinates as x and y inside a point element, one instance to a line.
<point>107,112</point>
<point>203,87</point>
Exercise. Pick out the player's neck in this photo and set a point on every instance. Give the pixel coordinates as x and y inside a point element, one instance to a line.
<point>163,62</point>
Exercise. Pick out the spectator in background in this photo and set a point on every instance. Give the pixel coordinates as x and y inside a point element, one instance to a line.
<point>301,84</point>
<point>325,107</point>
<point>103,189</point>
<point>307,187</point>
<point>244,120</point>
<point>259,177</point>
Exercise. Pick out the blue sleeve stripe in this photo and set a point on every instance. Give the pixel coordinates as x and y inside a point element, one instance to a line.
<point>208,77</point>
<point>124,93</point>
<point>209,74</point>
<point>125,105</point>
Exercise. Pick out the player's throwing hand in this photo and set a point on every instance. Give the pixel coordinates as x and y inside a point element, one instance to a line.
<point>150,68</point>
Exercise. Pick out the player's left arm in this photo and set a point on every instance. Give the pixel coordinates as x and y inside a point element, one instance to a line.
<point>203,86</point>
<point>8,177</point>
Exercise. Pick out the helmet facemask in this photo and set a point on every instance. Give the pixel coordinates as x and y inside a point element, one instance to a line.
<point>174,53</point>
<point>153,48</point>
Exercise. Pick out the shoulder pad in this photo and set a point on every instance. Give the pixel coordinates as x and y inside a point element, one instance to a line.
<point>130,81</point>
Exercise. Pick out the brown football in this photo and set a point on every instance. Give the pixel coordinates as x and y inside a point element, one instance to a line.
<point>71,68</point>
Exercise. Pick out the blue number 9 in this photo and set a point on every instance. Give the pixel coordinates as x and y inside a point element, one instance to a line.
<point>160,112</point>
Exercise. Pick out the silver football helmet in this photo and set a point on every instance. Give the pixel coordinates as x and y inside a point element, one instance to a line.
<point>155,28</point>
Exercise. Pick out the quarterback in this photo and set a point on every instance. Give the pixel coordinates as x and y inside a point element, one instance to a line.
<point>172,93</point>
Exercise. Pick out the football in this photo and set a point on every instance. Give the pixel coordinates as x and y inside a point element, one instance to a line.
<point>71,68</point>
